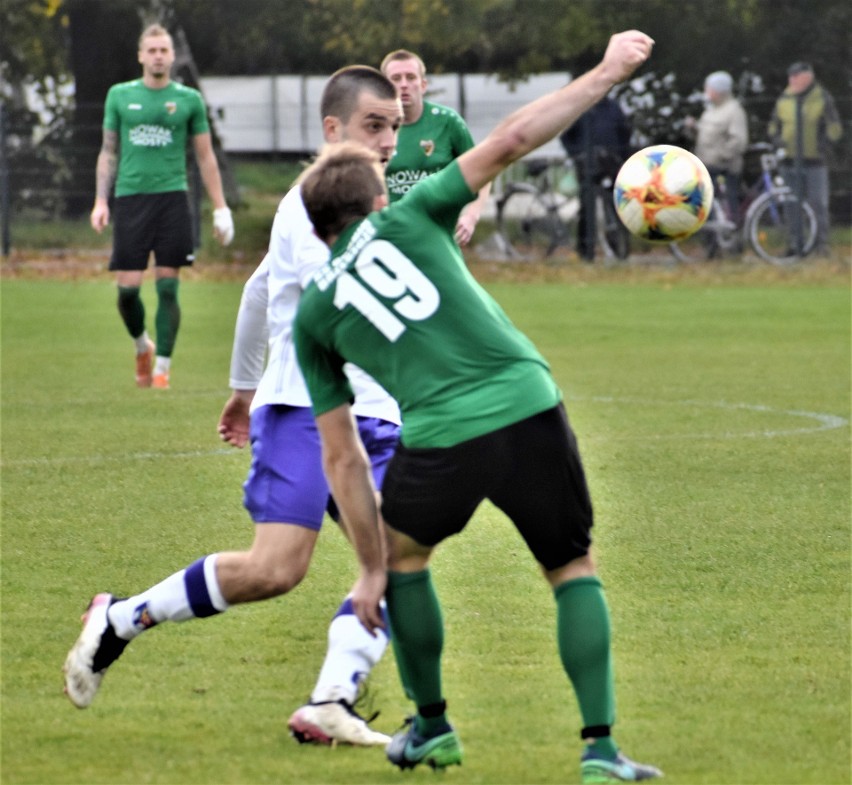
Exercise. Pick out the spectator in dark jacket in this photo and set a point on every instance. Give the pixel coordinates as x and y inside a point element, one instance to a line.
<point>599,142</point>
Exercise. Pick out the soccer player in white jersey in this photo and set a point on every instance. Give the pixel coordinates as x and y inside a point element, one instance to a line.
<point>286,493</point>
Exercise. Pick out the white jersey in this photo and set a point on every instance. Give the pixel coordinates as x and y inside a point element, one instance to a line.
<point>265,319</point>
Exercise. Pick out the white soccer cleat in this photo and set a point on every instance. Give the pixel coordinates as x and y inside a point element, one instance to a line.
<point>333,722</point>
<point>98,642</point>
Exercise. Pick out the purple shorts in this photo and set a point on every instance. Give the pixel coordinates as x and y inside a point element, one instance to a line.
<point>286,483</point>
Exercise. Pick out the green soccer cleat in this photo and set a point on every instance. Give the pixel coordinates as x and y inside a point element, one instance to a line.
<point>408,748</point>
<point>597,769</point>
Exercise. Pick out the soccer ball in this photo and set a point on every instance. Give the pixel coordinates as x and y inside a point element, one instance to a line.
<point>663,193</point>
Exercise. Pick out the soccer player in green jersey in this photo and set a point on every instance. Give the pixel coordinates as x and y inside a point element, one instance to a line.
<point>147,123</point>
<point>482,415</point>
<point>431,136</point>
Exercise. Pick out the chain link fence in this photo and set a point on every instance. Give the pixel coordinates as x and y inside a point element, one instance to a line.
<point>47,172</point>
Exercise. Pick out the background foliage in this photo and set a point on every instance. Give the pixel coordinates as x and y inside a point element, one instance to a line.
<point>48,44</point>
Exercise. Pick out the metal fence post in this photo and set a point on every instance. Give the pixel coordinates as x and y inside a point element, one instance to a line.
<point>799,179</point>
<point>5,218</point>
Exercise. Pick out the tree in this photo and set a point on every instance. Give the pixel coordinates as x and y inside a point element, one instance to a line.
<point>33,40</point>
<point>103,42</point>
<point>94,41</point>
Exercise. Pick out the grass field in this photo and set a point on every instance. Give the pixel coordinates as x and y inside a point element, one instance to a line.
<point>713,415</point>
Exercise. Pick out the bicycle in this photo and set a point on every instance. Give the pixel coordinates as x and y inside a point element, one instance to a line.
<point>778,226</point>
<point>719,237</point>
<point>535,215</point>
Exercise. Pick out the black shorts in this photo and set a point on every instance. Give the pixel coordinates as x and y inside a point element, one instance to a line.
<point>152,222</point>
<point>531,470</point>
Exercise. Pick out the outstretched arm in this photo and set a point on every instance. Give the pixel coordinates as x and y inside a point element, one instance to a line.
<point>541,120</point>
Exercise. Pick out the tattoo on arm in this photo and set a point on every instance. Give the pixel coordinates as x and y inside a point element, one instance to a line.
<point>107,165</point>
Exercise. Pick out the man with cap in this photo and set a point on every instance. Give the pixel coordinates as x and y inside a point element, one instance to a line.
<point>805,122</point>
<point>722,136</point>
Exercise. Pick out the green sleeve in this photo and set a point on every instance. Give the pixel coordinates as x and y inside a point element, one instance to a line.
<point>112,121</point>
<point>327,383</point>
<point>464,140</point>
<point>198,121</point>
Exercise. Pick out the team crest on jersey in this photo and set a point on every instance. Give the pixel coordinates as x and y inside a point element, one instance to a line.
<point>171,107</point>
<point>427,146</point>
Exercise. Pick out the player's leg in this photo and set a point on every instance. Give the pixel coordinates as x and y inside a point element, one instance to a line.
<point>418,640</point>
<point>167,322</point>
<point>352,652</point>
<point>428,495</point>
<point>547,498</point>
<point>131,247</point>
<point>285,483</point>
<point>173,249</point>
<point>276,563</point>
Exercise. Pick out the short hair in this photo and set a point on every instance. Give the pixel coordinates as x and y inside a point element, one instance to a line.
<point>340,187</point>
<point>403,54</point>
<point>153,30</point>
<point>799,67</point>
<point>343,88</point>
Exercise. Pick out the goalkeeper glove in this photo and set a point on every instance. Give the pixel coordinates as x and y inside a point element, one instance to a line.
<point>223,225</point>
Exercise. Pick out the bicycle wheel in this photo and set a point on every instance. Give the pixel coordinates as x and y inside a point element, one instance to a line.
<point>780,227</point>
<point>613,236</point>
<point>715,240</point>
<point>528,222</point>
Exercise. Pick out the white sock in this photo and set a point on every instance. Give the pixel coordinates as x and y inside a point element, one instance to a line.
<point>162,365</point>
<point>188,594</point>
<point>142,342</point>
<point>352,653</point>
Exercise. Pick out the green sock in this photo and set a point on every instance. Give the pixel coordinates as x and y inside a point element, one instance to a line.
<point>168,315</point>
<point>132,310</point>
<point>605,747</point>
<point>583,633</point>
<point>417,634</point>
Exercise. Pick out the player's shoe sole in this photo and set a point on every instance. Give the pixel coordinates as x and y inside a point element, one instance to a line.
<point>332,723</point>
<point>408,749</point>
<point>595,769</point>
<point>145,366</point>
<point>90,656</point>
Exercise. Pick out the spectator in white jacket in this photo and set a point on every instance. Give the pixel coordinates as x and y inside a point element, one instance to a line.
<point>722,136</point>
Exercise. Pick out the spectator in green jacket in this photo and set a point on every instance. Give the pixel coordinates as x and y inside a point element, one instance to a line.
<point>805,122</point>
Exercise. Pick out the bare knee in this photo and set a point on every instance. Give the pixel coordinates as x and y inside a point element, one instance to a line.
<point>252,576</point>
<point>276,579</point>
<point>581,567</point>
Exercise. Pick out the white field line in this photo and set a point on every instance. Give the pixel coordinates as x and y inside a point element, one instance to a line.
<point>818,421</point>
<point>815,422</point>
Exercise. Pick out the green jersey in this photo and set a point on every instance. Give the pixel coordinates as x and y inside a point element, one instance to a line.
<point>439,136</point>
<point>153,127</point>
<point>396,299</point>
